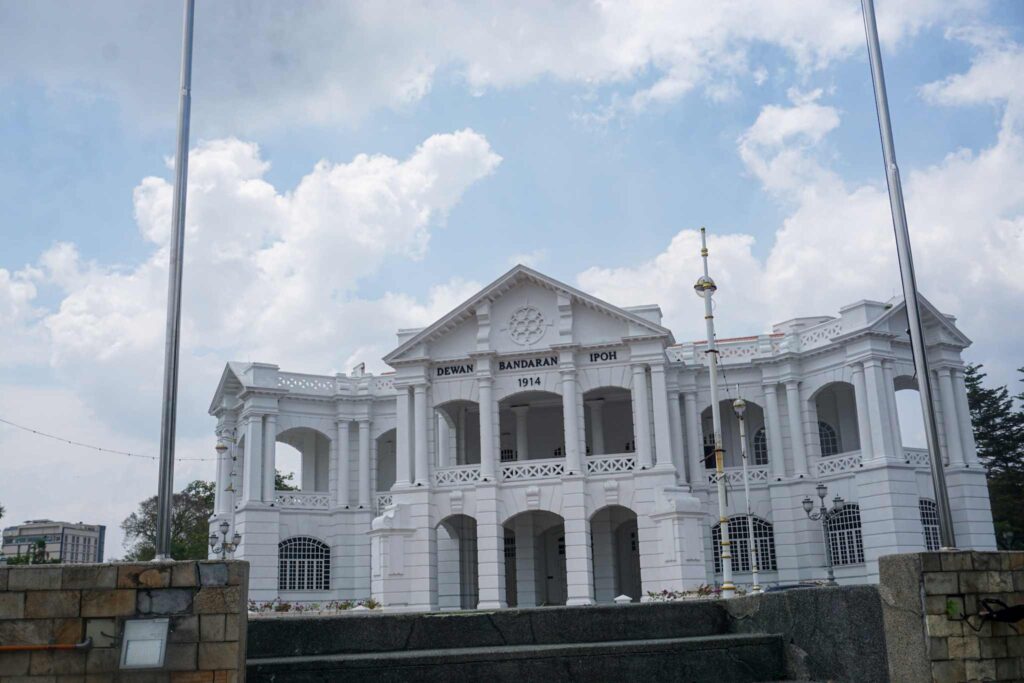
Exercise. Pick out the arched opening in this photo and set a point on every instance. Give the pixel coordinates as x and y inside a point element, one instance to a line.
<point>608,421</point>
<point>836,408</point>
<point>531,426</point>
<point>304,564</point>
<point>458,433</point>
<point>929,523</point>
<point>536,562</point>
<point>753,418</point>
<point>616,544</point>
<point>908,411</point>
<point>744,552</point>
<point>287,467</point>
<point>845,537</point>
<point>386,461</point>
<point>458,584</point>
<point>311,451</point>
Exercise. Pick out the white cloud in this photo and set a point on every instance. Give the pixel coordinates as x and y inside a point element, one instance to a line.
<point>269,275</point>
<point>259,65</point>
<point>836,246</point>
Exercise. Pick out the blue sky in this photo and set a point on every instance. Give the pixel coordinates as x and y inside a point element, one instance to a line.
<point>586,140</point>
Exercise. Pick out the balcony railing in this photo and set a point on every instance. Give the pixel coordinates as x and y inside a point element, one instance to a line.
<point>837,464</point>
<point>611,464</point>
<point>456,476</point>
<point>734,476</point>
<point>917,456</point>
<point>303,500</point>
<point>382,500</point>
<point>533,469</point>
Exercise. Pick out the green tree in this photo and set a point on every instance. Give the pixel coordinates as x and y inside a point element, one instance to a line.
<point>999,434</point>
<point>284,482</point>
<point>190,531</point>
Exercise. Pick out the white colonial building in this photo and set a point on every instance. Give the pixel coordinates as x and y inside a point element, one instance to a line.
<point>540,446</point>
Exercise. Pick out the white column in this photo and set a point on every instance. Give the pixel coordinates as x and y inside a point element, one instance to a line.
<point>522,438</point>
<point>773,430</point>
<point>223,499</point>
<point>269,444</point>
<point>812,440</point>
<point>867,449</point>
<point>963,415</point>
<point>444,438</point>
<point>579,565</point>
<point>694,441</point>
<point>570,418</point>
<point>675,419</point>
<point>252,490</point>
<point>796,436</point>
<point>662,430</point>
<point>878,408</point>
<point>403,458</point>
<point>364,464</point>
<point>343,464</point>
<point>894,415</point>
<point>490,534</point>
<point>487,455</point>
<point>597,426</point>
<point>641,418</point>
<point>420,421</point>
<point>950,421</point>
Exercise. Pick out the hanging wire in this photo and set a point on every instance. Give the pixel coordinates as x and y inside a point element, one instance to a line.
<point>101,449</point>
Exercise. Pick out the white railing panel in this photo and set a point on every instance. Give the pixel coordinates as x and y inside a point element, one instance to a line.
<point>383,500</point>
<point>457,476</point>
<point>299,499</point>
<point>838,464</point>
<point>917,456</point>
<point>307,384</point>
<point>734,475</point>
<point>611,464</point>
<point>533,469</point>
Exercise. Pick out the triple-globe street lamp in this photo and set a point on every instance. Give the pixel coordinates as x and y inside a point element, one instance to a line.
<point>220,545</point>
<point>824,514</point>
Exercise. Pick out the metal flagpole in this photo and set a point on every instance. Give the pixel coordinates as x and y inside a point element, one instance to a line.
<point>740,407</point>
<point>165,493</point>
<point>705,288</point>
<point>906,261</point>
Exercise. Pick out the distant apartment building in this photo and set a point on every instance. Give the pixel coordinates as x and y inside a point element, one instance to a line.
<point>64,541</point>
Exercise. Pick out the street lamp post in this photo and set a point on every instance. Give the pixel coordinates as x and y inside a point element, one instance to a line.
<point>220,545</point>
<point>824,514</point>
<point>705,288</point>
<point>740,406</point>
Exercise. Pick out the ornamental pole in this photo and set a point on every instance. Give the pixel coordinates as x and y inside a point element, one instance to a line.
<point>705,288</point>
<point>909,280</point>
<point>165,492</point>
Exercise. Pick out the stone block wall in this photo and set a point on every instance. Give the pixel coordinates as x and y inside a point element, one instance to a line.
<point>206,603</point>
<point>924,596</point>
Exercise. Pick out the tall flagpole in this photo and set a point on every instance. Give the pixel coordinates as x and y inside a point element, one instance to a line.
<point>705,288</point>
<point>165,493</point>
<point>906,260</point>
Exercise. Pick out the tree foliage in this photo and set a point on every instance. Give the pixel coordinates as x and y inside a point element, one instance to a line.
<point>190,531</point>
<point>998,420</point>
<point>284,482</point>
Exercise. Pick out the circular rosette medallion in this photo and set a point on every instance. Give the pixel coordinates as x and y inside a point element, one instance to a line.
<point>526,325</point>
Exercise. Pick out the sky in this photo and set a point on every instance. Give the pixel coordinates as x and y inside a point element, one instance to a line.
<point>358,167</point>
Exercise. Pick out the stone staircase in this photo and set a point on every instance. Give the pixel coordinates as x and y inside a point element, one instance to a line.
<point>652,642</point>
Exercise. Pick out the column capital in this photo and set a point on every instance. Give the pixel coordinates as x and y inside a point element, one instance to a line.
<point>944,371</point>
<point>420,387</point>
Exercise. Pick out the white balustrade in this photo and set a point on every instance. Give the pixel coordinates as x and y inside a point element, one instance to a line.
<point>838,464</point>
<point>382,385</point>
<point>533,469</point>
<point>298,499</point>
<point>734,475</point>
<point>307,384</point>
<point>611,464</point>
<point>457,476</point>
<point>917,456</point>
<point>820,335</point>
<point>384,499</point>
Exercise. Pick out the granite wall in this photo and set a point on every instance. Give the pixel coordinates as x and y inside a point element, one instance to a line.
<point>67,604</point>
<point>924,597</point>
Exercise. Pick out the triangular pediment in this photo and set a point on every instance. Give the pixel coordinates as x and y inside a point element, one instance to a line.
<point>231,384</point>
<point>939,328</point>
<point>526,311</point>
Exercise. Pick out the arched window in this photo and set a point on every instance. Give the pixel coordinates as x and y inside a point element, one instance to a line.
<point>760,447</point>
<point>304,564</point>
<point>739,540</point>
<point>929,523</point>
<point>709,451</point>
<point>828,439</point>
<point>844,536</point>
